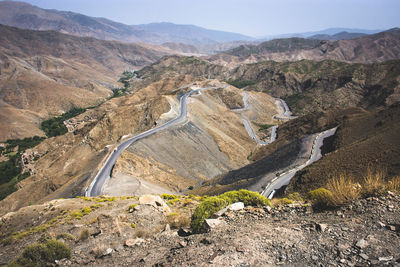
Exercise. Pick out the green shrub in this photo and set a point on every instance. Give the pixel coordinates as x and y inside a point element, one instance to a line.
<point>321,198</point>
<point>39,254</point>
<point>55,126</point>
<point>249,198</point>
<point>168,196</point>
<point>207,208</point>
<point>295,197</point>
<point>285,201</point>
<point>211,205</point>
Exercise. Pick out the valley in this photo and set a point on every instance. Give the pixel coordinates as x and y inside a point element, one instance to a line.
<point>166,144</point>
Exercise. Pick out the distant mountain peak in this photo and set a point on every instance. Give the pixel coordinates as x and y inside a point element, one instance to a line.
<point>26,16</point>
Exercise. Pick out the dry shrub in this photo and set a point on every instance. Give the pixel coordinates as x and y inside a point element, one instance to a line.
<point>343,190</point>
<point>374,183</point>
<point>84,234</point>
<point>142,233</point>
<point>178,220</point>
<point>394,184</point>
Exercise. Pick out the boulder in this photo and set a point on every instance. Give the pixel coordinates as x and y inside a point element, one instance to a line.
<point>236,206</point>
<point>233,207</point>
<point>155,201</point>
<point>210,224</point>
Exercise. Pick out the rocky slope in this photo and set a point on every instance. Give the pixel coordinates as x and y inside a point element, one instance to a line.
<point>43,74</point>
<point>367,49</point>
<point>126,232</point>
<point>65,164</point>
<point>214,137</point>
<point>307,86</point>
<point>364,140</point>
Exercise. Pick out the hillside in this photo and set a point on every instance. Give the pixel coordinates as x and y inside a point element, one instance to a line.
<point>367,49</point>
<point>43,74</point>
<point>150,231</point>
<point>367,140</point>
<point>338,36</point>
<point>26,16</point>
<point>307,86</point>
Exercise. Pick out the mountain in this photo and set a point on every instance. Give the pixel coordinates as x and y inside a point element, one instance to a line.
<point>46,73</point>
<point>367,49</point>
<point>26,16</point>
<point>191,34</point>
<point>330,31</point>
<point>338,36</point>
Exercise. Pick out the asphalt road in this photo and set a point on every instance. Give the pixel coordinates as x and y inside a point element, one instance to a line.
<point>284,178</point>
<point>287,115</point>
<point>96,187</point>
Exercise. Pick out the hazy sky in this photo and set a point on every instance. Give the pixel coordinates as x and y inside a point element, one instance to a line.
<point>251,17</point>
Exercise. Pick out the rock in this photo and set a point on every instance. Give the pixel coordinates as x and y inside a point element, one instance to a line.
<point>321,227</point>
<point>236,206</point>
<point>385,258</point>
<point>381,224</point>
<point>184,232</point>
<point>362,243</point>
<point>155,201</point>
<point>119,247</point>
<point>364,256</point>
<point>108,251</point>
<point>391,227</point>
<point>182,244</point>
<point>268,209</point>
<point>314,258</point>
<point>219,213</point>
<point>210,224</point>
<point>167,228</point>
<point>133,242</point>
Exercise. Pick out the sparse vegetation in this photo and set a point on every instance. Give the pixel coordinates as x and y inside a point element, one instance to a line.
<point>295,197</point>
<point>394,184</point>
<point>342,190</point>
<point>210,205</point>
<point>264,127</point>
<point>320,198</point>
<point>374,183</point>
<point>39,254</point>
<point>177,220</point>
<point>11,170</point>
<point>84,234</point>
<point>55,126</point>
<point>168,196</point>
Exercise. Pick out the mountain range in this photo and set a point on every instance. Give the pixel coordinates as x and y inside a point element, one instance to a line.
<point>46,73</point>
<point>26,16</point>
<point>377,47</point>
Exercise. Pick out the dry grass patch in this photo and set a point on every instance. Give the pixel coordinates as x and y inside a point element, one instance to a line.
<point>374,183</point>
<point>178,220</point>
<point>343,190</point>
<point>394,184</point>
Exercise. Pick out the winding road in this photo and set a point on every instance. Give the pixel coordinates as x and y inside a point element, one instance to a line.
<point>284,178</point>
<point>286,115</point>
<point>96,187</point>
